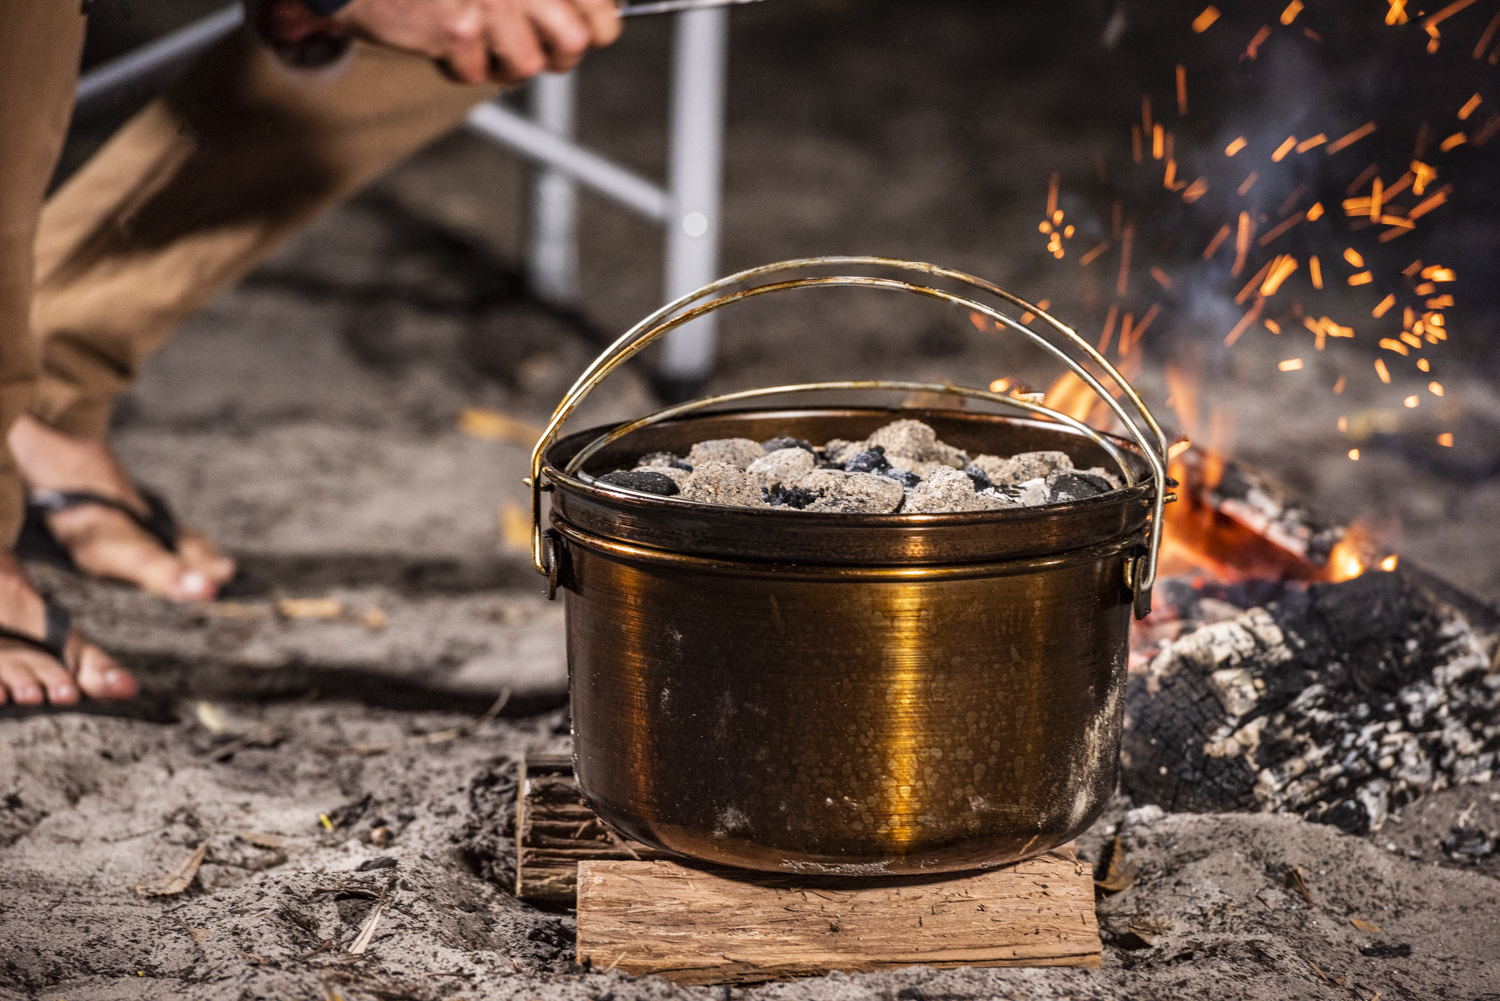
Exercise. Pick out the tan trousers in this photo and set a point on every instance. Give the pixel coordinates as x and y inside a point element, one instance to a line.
<point>40,41</point>
<point>191,194</point>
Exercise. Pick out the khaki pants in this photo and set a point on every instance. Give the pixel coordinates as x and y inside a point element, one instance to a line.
<point>188,196</point>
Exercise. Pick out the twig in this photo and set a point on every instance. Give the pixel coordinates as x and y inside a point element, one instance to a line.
<point>198,934</point>
<point>327,944</point>
<point>348,890</point>
<point>440,737</point>
<point>362,942</point>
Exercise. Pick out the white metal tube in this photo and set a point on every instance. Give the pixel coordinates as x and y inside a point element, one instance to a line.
<point>149,62</point>
<point>699,63</point>
<point>614,182</point>
<point>552,236</point>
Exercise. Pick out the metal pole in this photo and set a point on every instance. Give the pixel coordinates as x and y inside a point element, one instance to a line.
<point>552,240</point>
<point>145,67</point>
<point>699,64</point>
<point>519,133</point>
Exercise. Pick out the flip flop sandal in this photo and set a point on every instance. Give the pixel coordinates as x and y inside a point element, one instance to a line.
<point>36,541</point>
<point>55,643</point>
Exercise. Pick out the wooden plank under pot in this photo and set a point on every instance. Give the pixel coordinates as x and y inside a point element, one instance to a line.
<point>643,914</point>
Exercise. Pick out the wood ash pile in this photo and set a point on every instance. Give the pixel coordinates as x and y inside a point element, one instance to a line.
<point>1342,703</point>
<point>900,469</point>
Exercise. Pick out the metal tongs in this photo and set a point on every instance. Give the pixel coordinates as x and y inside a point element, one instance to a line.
<point>675,6</point>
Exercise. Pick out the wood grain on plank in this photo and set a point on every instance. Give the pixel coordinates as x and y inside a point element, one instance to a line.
<point>697,926</point>
<point>556,829</point>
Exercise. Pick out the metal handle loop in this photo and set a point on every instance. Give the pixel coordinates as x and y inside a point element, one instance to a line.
<point>663,320</point>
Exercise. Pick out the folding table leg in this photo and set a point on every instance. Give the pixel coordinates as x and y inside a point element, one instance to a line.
<point>552,238</point>
<point>699,65</point>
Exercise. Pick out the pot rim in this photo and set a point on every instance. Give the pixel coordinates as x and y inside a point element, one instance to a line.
<point>772,535</point>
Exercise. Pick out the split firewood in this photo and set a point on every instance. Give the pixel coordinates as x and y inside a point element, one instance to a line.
<point>701,926</point>
<point>556,829</point>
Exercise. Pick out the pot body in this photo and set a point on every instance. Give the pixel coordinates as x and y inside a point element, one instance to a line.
<point>888,715</point>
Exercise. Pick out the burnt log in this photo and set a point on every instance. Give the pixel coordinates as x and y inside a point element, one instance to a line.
<point>1339,702</point>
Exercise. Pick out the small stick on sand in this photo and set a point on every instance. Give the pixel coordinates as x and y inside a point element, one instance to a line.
<point>362,942</point>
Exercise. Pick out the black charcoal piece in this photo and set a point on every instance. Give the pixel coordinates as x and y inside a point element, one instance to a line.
<point>643,480</point>
<point>1470,841</point>
<point>871,460</point>
<point>1076,486</point>
<point>793,497</point>
<point>905,477</point>
<point>981,481</point>
<point>777,444</point>
<point>1384,950</point>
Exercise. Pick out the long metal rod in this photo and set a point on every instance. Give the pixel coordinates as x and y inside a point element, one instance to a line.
<point>159,57</point>
<point>677,6</point>
<point>606,177</point>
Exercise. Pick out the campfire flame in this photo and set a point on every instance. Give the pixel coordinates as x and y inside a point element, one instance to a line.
<point>1204,535</point>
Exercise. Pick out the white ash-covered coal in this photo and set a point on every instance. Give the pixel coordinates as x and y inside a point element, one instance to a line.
<point>1339,702</point>
<point>900,469</point>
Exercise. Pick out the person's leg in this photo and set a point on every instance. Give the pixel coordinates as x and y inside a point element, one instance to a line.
<point>39,49</point>
<point>192,193</point>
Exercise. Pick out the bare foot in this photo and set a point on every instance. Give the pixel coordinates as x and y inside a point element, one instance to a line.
<point>29,677</point>
<point>104,542</point>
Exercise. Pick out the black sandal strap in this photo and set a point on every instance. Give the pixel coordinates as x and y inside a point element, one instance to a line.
<point>55,643</point>
<point>158,523</point>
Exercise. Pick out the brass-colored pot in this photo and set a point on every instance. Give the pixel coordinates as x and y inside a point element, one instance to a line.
<point>846,694</point>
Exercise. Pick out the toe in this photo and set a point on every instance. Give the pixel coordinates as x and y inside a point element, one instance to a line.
<point>99,675</point>
<point>199,553</point>
<point>18,679</point>
<point>60,687</point>
<point>160,572</point>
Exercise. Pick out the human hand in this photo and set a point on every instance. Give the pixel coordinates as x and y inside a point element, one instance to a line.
<point>506,41</point>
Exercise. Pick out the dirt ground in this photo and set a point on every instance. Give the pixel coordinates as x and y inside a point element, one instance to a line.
<point>308,420</point>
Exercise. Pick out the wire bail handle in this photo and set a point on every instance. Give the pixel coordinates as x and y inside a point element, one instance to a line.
<point>1142,572</point>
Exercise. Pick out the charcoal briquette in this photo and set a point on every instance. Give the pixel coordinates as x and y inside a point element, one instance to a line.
<point>777,444</point>
<point>646,481</point>
<point>1066,487</point>
<point>871,460</point>
<point>981,481</point>
<point>902,466</point>
<point>1470,841</point>
<point>793,497</point>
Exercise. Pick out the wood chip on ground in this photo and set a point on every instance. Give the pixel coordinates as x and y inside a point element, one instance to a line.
<point>178,879</point>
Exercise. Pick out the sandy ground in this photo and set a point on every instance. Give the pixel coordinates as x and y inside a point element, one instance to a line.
<point>308,420</point>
